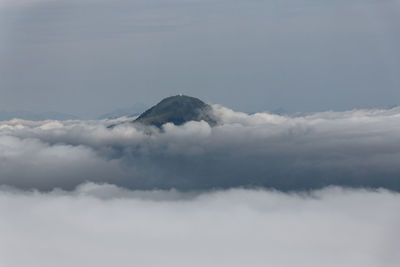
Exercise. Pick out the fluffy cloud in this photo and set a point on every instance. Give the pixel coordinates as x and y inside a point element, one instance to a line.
<point>359,148</point>
<point>103,225</point>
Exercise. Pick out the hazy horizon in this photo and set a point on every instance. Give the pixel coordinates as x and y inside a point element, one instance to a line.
<point>139,107</point>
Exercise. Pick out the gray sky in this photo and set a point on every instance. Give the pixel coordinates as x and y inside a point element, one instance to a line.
<point>88,57</point>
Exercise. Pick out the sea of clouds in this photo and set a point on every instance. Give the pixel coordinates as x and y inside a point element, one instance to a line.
<point>104,225</point>
<point>255,190</point>
<point>359,148</point>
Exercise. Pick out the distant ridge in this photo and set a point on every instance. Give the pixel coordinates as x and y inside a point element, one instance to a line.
<point>133,111</point>
<point>177,110</point>
<point>33,116</point>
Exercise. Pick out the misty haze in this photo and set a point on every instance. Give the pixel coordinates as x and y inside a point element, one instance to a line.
<point>199,133</point>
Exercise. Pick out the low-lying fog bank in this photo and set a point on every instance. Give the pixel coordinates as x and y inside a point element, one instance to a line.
<point>103,225</point>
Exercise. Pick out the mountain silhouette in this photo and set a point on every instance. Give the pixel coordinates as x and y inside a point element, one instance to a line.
<point>177,110</point>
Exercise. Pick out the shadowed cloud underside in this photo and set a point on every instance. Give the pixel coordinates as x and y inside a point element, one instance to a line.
<point>358,148</point>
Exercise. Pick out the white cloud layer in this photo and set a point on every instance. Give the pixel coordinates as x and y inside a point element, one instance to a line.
<point>103,225</point>
<point>358,148</point>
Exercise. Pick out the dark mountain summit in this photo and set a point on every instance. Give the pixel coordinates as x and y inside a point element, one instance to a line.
<point>177,110</point>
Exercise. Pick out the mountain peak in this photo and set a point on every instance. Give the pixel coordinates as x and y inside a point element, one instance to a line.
<point>177,110</point>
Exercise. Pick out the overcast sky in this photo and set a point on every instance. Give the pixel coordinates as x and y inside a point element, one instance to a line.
<point>88,57</point>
